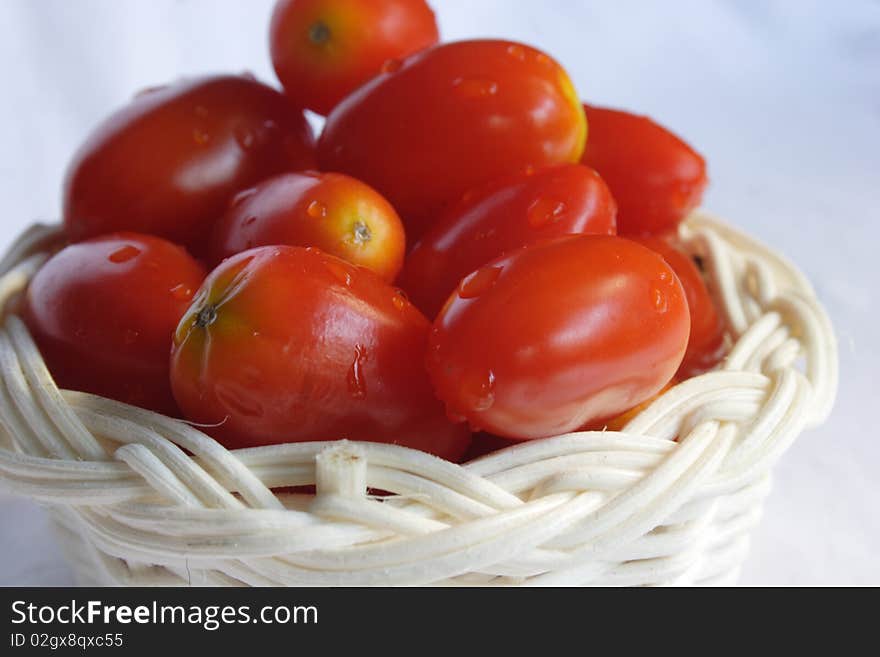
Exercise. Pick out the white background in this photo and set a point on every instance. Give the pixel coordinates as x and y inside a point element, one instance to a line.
<point>783,98</point>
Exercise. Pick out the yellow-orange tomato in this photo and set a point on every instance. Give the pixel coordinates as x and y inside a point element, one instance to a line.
<point>336,213</point>
<point>323,50</point>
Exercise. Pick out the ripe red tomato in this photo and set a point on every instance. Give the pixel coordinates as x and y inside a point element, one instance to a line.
<point>169,162</point>
<point>501,216</point>
<point>103,312</point>
<point>450,118</point>
<point>656,178</point>
<point>338,214</point>
<point>706,343</point>
<point>288,344</point>
<point>323,50</point>
<point>555,335</point>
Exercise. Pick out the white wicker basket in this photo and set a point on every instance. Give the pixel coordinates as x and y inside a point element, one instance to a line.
<point>142,499</point>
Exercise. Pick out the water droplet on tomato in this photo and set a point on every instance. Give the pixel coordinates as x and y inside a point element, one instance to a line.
<point>124,254</point>
<point>248,75</point>
<point>399,299</point>
<point>182,292</point>
<point>454,417</point>
<point>339,272</point>
<point>201,137</point>
<point>391,65</point>
<point>479,392</point>
<point>316,210</point>
<point>529,170</point>
<point>543,59</point>
<point>475,87</point>
<point>130,336</point>
<point>543,211</point>
<point>517,52</point>
<point>661,305</point>
<point>242,196</point>
<point>475,284</point>
<point>357,386</point>
<point>250,220</point>
<point>245,138</point>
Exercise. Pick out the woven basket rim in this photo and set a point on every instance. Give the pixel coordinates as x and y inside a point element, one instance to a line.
<point>141,498</point>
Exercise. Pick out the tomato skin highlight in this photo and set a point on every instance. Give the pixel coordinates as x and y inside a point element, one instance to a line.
<point>555,335</point>
<point>333,212</point>
<point>451,118</point>
<point>322,50</point>
<point>168,163</point>
<point>288,344</point>
<point>103,312</point>
<point>655,177</point>
<point>501,216</point>
<point>706,344</point>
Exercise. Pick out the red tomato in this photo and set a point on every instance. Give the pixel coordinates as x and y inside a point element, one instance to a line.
<point>501,216</point>
<point>450,118</point>
<point>323,50</point>
<point>339,215</point>
<point>552,336</point>
<point>656,178</point>
<point>103,312</point>
<point>288,344</point>
<point>169,162</point>
<point>706,344</point>
<point>483,444</point>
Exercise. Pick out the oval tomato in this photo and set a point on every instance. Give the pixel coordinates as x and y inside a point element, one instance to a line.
<point>706,343</point>
<point>103,312</point>
<point>656,178</point>
<point>338,214</point>
<point>169,162</point>
<point>323,50</point>
<point>501,216</point>
<point>287,344</point>
<point>450,118</point>
<point>553,336</point>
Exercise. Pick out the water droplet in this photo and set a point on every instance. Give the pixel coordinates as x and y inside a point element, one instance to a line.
<point>475,87</point>
<point>391,65</point>
<point>663,275</point>
<point>517,52</point>
<point>248,75</point>
<point>399,299</point>
<point>454,417</point>
<point>543,211</point>
<point>361,233</point>
<point>339,272</point>
<point>269,125</point>
<point>475,284</point>
<point>479,393</point>
<point>481,235</point>
<point>660,303</point>
<point>529,170</point>
<point>543,59</point>
<point>357,386</point>
<point>245,138</point>
<point>249,221</point>
<point>200,136</point>
<point>130,336</point>
<point>124,254</point>
<point>242,196</point>
<point>182,292</point>
<point>316,210</point>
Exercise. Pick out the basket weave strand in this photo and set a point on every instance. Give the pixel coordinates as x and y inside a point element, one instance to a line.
<point>143,499</point>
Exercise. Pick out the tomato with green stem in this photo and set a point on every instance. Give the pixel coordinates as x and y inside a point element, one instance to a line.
<point>289,344</point>
<point>322,50</point>
<point>333,212</point>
